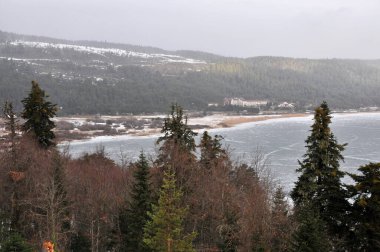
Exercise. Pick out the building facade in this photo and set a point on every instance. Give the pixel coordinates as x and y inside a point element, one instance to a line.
<point>241,102</point>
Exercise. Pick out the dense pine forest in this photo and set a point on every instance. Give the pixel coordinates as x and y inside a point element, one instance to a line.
<point>86,77</point>
<point>178,201</point>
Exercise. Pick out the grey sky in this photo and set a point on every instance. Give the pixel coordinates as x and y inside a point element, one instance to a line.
<point>244,28</point>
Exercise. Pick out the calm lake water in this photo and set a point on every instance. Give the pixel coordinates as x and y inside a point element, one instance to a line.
<point>280,141</point>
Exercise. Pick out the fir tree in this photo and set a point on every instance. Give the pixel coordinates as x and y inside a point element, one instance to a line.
<point>319,185</point>
<point>134,218</point>
<point>211,149</point>
<point>164,232</point>
<point>311,234</point>
<point>280,205</point>
<point>366,208</point>
<point>16,243</point>
<point>280,221</point>
<point>38,113</point>
<point>177,147</point>
<point>177,131</point>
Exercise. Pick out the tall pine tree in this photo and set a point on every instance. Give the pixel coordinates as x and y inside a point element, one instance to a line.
<point>38,113</point>
<point>177,147</point>
<point>177,131</point>
<point>164,232</point>
<point>211,149</point>
<point>366,208</point>
<point>311,234</point>
<point>135,216</point>
<point>319,185</point>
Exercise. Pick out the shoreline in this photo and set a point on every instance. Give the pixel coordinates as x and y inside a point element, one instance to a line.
<point>220,121</point>
<point>198,124</point>
<point>234,121</point>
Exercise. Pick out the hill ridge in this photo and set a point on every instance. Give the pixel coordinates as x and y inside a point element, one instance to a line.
<point>83,78</point>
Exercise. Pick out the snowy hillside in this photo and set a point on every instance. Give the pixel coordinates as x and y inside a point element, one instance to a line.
<point>91,77</point>
<point>163,58</point>
<point>94,62</point>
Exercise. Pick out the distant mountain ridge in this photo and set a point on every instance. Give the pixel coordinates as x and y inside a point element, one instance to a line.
<point>7,36</point>
<point>88,77</point>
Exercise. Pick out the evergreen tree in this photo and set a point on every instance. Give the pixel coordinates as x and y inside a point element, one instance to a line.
<point>280,221</point>
<point>366,208</point>
<point>164,231</point>
<point>16,243</point>
<point>37,113</point>
<point>211,149</point>
<point>319,185</point>
<point>311,234</point>
<point>134,218</point>
<point>177,131</point>
<point>177,149</point>
<point>280,205</point>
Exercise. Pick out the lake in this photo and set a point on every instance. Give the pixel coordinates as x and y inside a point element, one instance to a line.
<point>280,141</point>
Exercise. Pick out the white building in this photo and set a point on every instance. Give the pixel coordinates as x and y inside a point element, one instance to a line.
<point>286,105</point>
<point>213,105</point>
<point>240,102</point>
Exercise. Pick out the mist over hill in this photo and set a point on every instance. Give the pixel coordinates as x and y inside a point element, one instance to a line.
<point>88,77</point>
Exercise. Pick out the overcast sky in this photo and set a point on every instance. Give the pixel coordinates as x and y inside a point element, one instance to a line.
<point>243,28</point>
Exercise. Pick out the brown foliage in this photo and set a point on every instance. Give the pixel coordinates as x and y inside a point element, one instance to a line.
<point>214,189</point>
<point>97,189</point>
<point>29,174</point>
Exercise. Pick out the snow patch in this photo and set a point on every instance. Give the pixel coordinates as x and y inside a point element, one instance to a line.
<point>104,52</point>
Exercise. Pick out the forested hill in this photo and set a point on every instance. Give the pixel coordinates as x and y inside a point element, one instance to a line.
<point>86,77</point>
